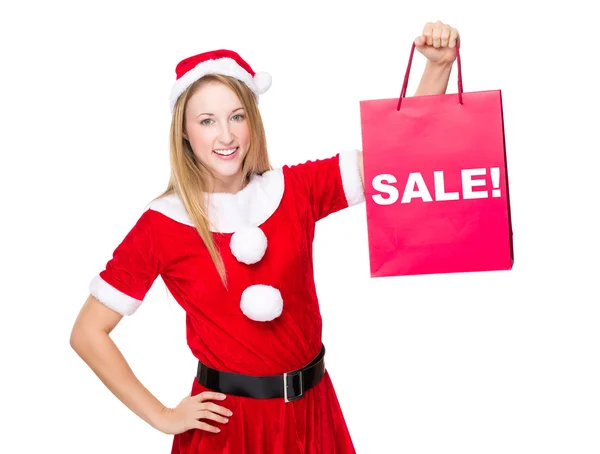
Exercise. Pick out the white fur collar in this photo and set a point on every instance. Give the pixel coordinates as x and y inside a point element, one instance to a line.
<point>228,213</point>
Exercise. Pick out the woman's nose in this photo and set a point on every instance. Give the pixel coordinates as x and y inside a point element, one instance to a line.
<point>226,136</point>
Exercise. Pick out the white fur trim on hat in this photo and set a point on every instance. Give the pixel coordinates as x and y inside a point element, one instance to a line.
<point>353,186</point>
<point>113,298</point>
<point>248,245</point>
<point>261,303</point>
<point>225,66</point>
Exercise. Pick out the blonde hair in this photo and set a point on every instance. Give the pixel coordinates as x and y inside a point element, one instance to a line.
<point>190,178</point>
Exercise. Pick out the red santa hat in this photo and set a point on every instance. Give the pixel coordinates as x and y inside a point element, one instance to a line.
<point>223,61</point>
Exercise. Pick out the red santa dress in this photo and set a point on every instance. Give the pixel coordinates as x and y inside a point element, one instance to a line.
<point>268,321</point>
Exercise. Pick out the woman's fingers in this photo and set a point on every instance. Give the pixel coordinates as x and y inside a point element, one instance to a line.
<point>209,395</point>
<point>215,408</point>
<point>207,427</point>
<point>205,414</point>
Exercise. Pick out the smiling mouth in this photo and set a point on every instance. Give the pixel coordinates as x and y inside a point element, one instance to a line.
<point>225,152</point>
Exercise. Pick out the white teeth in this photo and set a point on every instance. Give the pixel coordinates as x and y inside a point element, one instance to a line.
<point>225,152</point>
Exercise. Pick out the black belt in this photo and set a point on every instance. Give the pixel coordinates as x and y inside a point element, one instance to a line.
<point>290,385</point>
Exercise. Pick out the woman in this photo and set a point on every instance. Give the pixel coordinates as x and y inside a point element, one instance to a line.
<point>232,240</point>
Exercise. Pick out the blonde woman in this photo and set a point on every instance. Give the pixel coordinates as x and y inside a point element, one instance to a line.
<point>231,238</point>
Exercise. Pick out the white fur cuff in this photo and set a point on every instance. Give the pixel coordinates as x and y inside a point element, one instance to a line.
<point>112,298</point>
<point>353,187</point>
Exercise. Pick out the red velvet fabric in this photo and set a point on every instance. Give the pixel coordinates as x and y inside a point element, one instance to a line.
<point>221,336</point>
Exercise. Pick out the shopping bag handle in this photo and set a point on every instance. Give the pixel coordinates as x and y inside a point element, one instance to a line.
<point>405,84</point>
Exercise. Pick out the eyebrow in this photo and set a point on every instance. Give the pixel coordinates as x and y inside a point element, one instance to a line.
<point>211,114</point>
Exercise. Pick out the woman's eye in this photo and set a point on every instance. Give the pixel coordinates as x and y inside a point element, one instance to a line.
<point>206,122</point>
<point>238,117</point>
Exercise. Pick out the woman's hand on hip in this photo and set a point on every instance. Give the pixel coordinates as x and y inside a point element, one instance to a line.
<point>191,412</point>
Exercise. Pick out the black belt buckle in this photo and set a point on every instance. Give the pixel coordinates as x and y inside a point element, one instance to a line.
<point>296,377</point>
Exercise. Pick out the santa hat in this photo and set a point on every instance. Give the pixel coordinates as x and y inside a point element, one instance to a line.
<point>225,62</point>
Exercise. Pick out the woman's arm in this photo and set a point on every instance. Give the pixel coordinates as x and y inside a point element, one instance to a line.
<point>434,80</point>
<point>90,338</point>
<point>438,44</point>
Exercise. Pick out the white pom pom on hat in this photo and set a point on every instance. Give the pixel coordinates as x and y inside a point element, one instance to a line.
<point>262,81</point>
<point>222,61</point>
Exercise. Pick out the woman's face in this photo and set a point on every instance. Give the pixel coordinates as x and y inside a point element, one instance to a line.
<point>216,126</point>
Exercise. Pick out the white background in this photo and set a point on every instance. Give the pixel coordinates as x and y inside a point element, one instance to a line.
<point>498,362</point>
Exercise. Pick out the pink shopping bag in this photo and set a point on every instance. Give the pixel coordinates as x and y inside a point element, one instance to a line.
<point>436,182</point>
